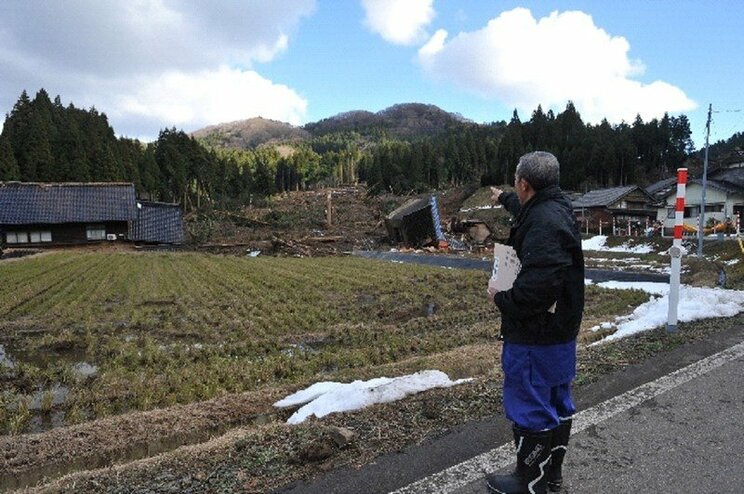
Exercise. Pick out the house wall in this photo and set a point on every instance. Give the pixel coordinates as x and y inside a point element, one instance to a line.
<point>638,220</point>
<point>594,216</point>
<point>63,234</point>
<point>636,199</point>
<point>730,204</point>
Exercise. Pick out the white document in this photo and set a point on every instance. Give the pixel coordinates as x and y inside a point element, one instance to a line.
<point>506,267</point>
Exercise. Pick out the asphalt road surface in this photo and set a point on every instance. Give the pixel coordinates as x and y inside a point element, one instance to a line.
<point>673,424</point>
<point>686,439</point>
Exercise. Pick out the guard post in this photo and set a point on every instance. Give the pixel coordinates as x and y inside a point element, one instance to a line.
<point>676,250</point>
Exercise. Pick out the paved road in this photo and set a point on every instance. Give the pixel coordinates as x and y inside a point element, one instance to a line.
<point>453,261</point>
<point>688,439</point>
<point>673,424</point>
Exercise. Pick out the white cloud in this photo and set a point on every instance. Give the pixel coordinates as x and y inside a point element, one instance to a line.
<point>523,62</point>
<point>135,60</point>
<point>193,100</point>
<point>401,22</point>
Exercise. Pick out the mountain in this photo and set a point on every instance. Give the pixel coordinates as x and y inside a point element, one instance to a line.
<point>403,121</point>
<point>249,133</point>
<point>406,121</point>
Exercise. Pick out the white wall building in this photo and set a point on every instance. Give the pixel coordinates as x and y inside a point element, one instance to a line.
<point>724,198</point>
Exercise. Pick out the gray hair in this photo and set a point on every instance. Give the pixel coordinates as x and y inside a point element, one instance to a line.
<point>540,169</point>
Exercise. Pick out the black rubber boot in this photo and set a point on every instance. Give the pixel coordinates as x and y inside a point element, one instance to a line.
<point>559,446</point>
<point>533,456</point>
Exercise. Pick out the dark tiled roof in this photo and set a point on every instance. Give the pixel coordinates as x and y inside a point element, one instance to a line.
<point>662,186</point>
<point>717,183</point>
<point>727,187</point>
<point>157,222</point>
<point>602,197</point>
<point>410,207</point>
<point>734,176</point>
<point>32,203</point>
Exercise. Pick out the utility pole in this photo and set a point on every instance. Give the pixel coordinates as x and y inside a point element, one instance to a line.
<point>701,226</point>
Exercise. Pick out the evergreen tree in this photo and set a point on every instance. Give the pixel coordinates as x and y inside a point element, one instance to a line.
<point>8,166</point>
<point>149,172</point>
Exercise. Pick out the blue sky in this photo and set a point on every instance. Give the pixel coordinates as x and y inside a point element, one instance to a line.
<point>155,64</point>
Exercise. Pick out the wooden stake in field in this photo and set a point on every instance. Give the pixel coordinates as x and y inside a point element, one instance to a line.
<point>676,250</point>
<point>329,205</point>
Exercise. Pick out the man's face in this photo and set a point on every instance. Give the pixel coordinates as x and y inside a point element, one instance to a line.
<point>521,187</point>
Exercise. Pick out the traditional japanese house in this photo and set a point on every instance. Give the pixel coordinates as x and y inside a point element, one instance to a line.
<point>55,214</point>
<point>630,208</point>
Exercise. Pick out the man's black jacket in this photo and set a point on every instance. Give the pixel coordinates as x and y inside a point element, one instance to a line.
<point>547,241</point>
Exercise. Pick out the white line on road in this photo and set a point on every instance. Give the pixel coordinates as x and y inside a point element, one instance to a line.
<point>469,471</point>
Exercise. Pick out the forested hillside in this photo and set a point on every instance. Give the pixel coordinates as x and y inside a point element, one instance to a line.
<point>403,121</point>
<point>249,133</point>
<point>410,147</point>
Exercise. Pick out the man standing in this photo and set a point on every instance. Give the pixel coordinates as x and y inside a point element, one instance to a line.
<point>540,318</point>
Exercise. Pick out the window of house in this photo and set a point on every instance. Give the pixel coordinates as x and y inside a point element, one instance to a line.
<point>39,237</point>
<point>670,213</point>
<point>692,211</point>
<point>16,238</point>
<point>714,208</point>
<point>95,232</point>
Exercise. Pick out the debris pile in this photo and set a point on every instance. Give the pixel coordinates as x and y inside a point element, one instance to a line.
<point>297,224</point>
<point>336,221</point>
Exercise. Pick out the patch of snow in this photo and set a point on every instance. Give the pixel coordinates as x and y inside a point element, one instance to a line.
<point>598,242</point>
<point>480,208</point>
<point>324,398</point>
<point>695,303</point>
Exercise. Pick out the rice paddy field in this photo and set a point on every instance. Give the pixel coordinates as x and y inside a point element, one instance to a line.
<point>87,335</point>
<point>108,357</point>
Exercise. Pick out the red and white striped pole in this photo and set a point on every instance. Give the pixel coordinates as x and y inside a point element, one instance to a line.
<point>676,250</point>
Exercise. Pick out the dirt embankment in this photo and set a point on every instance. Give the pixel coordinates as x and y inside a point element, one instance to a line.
<point>30,458</point>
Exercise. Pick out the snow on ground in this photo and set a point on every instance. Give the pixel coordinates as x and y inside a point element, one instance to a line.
<point>694,303</point>
<point>598,242</point>
<point>481,208</point>
<point>324,398</point>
